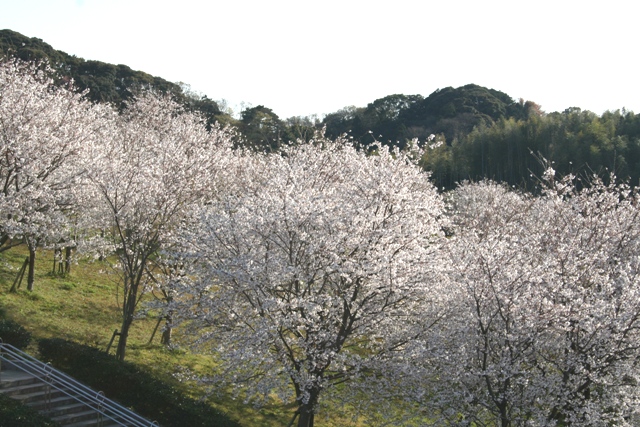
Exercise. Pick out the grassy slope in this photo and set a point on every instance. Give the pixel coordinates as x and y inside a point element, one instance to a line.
<point>82,307</point>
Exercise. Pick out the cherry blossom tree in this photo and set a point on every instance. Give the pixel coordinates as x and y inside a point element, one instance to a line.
<point>158,161</point>
<point>592,281</point>
<point>43,129</point>
<point>546,329</point>
<point>487,351</point>
<point>316,270</point>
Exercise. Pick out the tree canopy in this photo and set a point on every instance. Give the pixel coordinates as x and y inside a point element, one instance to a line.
<point>309,266</point>
<point>319,272</point>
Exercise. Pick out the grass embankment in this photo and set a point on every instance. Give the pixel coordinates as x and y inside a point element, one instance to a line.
<point>82,308</point>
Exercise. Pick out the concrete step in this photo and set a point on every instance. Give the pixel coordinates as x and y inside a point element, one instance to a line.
<point>29,393</point>
<point>10,378</point>
<point>66,408</point>
<point>56,405</point>
<point>59,400</point>
<point>85,414</point>
<point>22,388</point>
<point>92,423</point>
<point>50,402</point>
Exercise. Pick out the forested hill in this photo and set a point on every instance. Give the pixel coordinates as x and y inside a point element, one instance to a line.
<point>453,112</point>
<point>484,133</point>
<point>106,82</point>
<point>397,118</point>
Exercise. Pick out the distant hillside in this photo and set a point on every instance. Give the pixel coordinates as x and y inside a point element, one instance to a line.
<point>395,118</point>
<point>453,112</point>
<point>485,133</point>
<point>115,84</point>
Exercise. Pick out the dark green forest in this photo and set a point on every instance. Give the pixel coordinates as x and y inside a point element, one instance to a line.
<point>480,132</point>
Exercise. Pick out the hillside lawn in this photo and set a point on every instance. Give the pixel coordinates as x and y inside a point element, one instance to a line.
<point>81,307</point>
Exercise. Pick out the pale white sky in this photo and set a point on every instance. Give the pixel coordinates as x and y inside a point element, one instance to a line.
<point>304,57</point>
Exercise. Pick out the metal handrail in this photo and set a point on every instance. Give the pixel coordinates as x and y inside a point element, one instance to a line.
<point>72,388</point>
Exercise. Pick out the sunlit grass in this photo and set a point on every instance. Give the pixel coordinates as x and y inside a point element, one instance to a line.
<point>82,307</point>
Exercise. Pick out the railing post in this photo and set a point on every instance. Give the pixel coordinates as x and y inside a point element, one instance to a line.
<point>48,380</point>
<point>100,397</point>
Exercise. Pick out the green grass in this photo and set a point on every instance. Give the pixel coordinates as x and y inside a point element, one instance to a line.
<point>82,308</point>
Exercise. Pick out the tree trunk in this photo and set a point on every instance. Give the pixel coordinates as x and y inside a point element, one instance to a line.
<point>504,415</point>
<point>307,410</point>
<point>166,336</point>
<point>67,259</point>
<point>57,254</point>
<point>166,333</point>
<point>124,334</point>
<point>128,310</point>
<point>32,267</point>
<point>306,417</point>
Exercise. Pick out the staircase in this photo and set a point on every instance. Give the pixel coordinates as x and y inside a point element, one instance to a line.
<point>58,396</point>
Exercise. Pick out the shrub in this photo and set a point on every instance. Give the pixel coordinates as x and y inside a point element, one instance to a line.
<point>14,414</point>
<point>14,334</point>
<point>130,385</point>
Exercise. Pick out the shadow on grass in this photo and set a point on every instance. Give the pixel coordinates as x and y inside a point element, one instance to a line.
<point>131,385</point>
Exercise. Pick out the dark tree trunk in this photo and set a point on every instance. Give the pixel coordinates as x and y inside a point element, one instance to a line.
<point>307,410</point>
<point>57,255</point>
<point>306,417</point>
<point>124,334</point>
<point>32,268</point>
<point>166,335</point>
<point>67,259</point>
<point>128,310</point>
